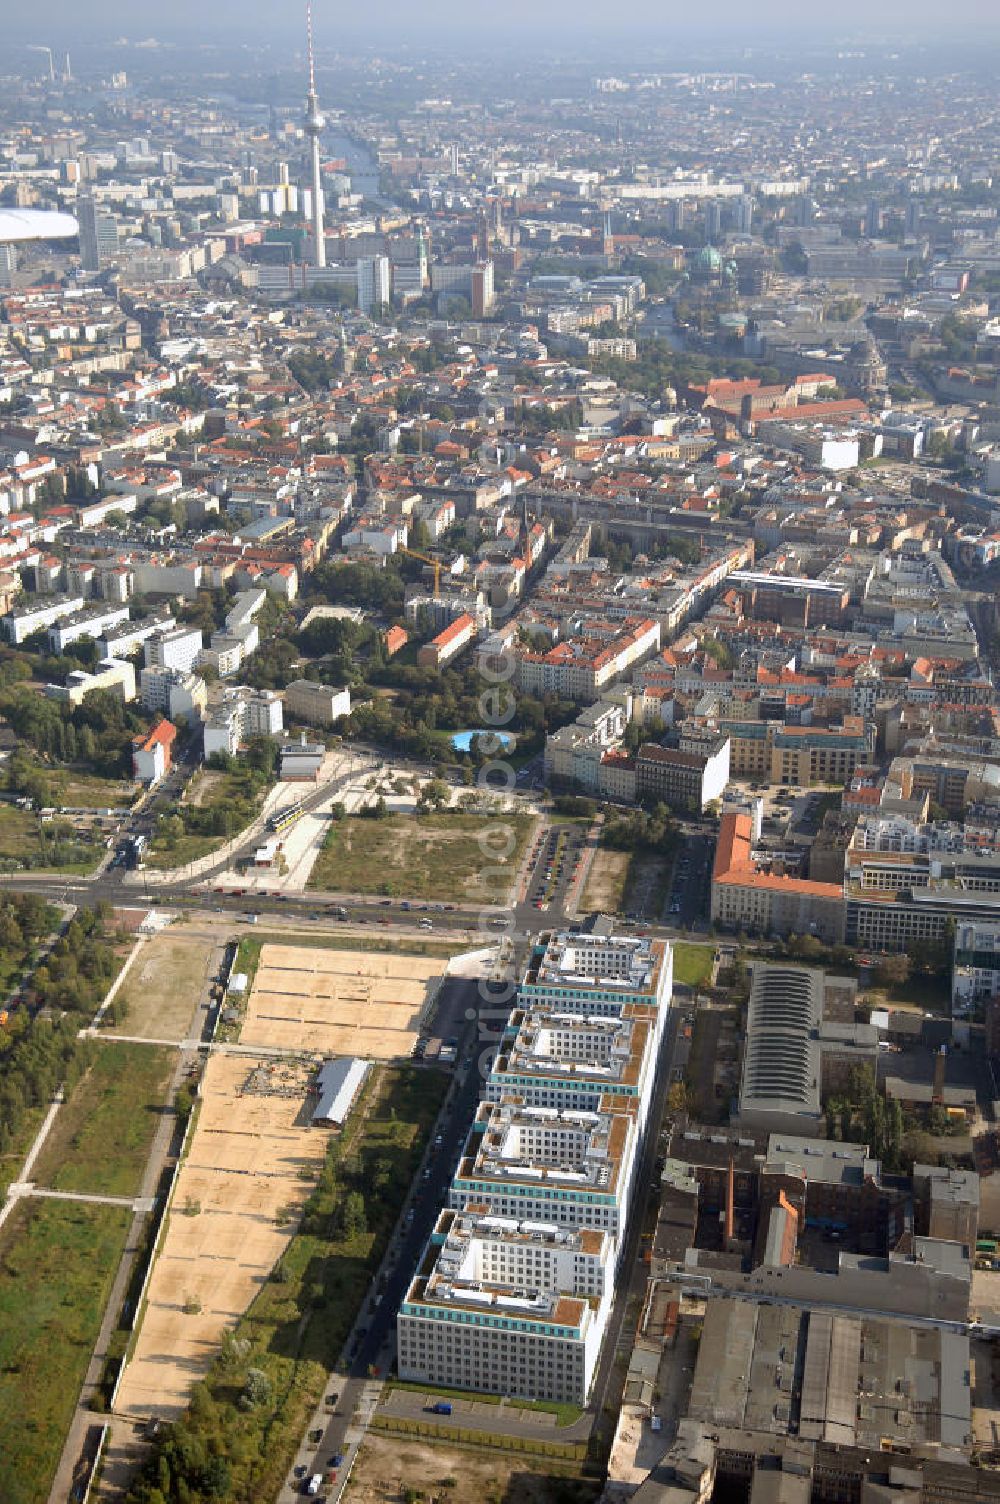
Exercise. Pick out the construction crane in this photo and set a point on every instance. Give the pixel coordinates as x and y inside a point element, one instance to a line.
<point>434,563</point>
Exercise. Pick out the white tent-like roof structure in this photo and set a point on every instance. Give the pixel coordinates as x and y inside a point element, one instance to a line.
<point>36,224</point>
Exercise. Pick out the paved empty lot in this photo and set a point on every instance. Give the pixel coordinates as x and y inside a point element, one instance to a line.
<point>339,1002</point>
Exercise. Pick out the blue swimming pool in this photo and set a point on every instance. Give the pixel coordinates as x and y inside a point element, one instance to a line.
<point>462,740</point>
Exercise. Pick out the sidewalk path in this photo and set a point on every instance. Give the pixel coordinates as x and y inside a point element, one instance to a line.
<point>112,991</point>
<point>28,1188</point>
<point>15,1189</point>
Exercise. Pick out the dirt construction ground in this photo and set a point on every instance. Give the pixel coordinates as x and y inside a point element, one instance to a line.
<point>605,890</point>
<point>388,1465</point>
<point>223,1234</point>
<point>339,1002</point>
<point>165,983</point>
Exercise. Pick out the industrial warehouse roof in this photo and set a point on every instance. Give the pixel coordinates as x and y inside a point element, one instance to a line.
<point>781,1063</point>
<point>339,1082</point>
<point>863,1378</point>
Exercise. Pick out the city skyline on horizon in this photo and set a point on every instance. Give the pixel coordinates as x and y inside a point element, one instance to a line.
<point>143,23</point>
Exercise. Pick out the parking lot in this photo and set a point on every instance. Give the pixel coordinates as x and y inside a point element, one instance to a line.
<point>556,859</point>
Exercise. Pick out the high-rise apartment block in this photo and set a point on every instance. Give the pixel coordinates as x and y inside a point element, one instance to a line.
<point>374,283</point>
<point>178,648</point>
<point>98,236</point>
<point>483,295</point>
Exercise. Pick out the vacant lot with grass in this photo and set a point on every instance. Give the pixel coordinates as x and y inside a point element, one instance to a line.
<point>423,856</point>
<point>605,890</point>
<point>632,882</point>
<point>53,845</point>
<point>164,984</point>
<point>181,851</point>
<point>692,963</point>
<point>919,993</point>
<point>388,1466</point>
<point>99,1140</point>
<point>57,1263</point>
<point>86,791</point>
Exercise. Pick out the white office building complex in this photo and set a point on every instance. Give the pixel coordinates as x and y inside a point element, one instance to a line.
<point>495,1314</point>
<point>599,975</point>
<point>572,1168</point>
<point>514,1291</point>
<point>570,1062</point>
<point>476,1246</point>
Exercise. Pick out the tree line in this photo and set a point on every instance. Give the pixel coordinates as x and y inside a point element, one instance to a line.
<point>40,1048</point>
<point>652,830</point>
<point>96,734</point>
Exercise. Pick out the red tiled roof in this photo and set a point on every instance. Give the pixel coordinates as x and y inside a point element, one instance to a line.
<point>163,734</point>
<point>734,864</point>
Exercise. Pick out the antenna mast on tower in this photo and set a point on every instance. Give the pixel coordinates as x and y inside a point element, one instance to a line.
<point>314,124</point>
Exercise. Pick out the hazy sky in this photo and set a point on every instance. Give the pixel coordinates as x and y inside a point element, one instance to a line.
<point>892,19</point>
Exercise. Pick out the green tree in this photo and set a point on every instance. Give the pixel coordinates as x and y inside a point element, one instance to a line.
<point>353,1219</point>
<point>436,791</point>
<point>718,651</point>
<point>217,1478</point>
<point>257,1389</point>
<point>893,971</point>
<point>919,1148</point>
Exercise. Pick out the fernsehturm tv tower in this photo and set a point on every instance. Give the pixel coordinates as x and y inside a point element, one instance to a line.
<point>314,124</point>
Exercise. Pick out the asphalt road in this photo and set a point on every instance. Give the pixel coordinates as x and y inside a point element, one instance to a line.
<point>688,901</point>
<point>525,920</point>
<point>114,887</point>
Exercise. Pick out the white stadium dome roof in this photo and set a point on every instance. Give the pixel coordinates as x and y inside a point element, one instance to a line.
<point>36,224</point>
